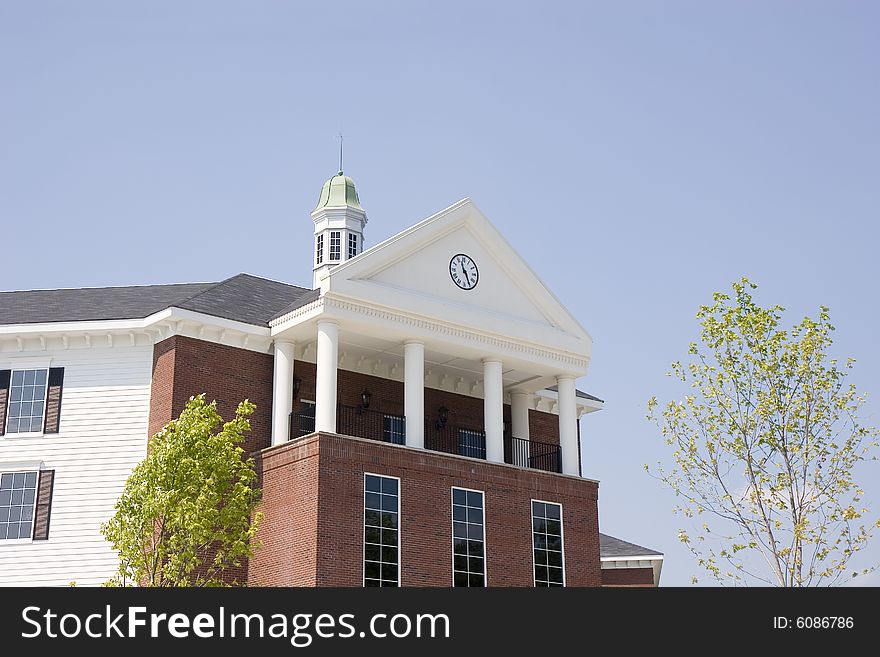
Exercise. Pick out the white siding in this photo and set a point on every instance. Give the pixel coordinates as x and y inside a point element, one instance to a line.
<point>103,435</point>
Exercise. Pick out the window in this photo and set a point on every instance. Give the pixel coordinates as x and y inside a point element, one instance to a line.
<point>335,244</point>
<point>18,492</point>
<point>352,245</point>
<point>472,443</point>
<point>27,400</point>
<point>394,430</point>
<point>381,531</point>
<point>468,538</point>
<point>319,250</point>
<point>547,542</point>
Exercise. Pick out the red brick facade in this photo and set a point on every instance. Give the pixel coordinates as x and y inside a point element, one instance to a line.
<point>183,367</point>
<point>312,529</point>
<point>294,535</point>
<point>628,577</point>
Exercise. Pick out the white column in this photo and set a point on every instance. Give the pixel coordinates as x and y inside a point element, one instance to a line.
<point>493,410</point>
<point>325,386</point>
<point>414,392</point>
<point>282,391</point>
<point>519,427</point>
<point>568,438</point>
<point>519,414</point>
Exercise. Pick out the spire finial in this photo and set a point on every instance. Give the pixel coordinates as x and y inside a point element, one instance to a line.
<point>340,152</point>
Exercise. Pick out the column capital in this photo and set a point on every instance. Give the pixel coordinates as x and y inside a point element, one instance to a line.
<point>283,341</point>
<point>490,359</point>
<point>565,377</point>
<point>413,341</point>
<point>334,322</point>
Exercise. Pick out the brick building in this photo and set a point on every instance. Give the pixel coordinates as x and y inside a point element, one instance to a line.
<point>417,418</point>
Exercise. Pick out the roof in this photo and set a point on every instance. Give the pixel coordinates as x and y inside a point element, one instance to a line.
<point>339,191</point>
<point>243,298</point>
<point>613,548</point>
<point>579,393</point>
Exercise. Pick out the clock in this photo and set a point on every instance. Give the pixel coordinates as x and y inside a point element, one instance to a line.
<point>464,272</point>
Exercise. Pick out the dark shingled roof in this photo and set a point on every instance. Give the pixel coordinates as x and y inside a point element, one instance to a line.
<point>243,298</point>
<point>615,547</point>
<point>579,393</point>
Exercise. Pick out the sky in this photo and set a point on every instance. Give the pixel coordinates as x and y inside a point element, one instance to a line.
<point>638,155</point>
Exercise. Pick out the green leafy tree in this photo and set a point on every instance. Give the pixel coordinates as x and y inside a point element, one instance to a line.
<point>187,512</point>
<point>765,445</point>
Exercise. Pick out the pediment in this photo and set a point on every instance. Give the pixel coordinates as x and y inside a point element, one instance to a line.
<point>410,273</point>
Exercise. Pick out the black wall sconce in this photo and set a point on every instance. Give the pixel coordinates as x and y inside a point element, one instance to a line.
<point>296,382</point>
<point>366,397</point>
<point>442,417</point>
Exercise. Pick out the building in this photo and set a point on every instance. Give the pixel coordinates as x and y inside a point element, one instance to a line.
<point>417,419</point>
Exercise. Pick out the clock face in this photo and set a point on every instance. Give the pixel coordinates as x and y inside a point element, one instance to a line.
<point>463,271</point>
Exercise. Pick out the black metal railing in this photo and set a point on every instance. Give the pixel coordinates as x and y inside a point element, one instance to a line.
<point>532,454</point>
<point>453,439</point>
<point>354,421</point>
<point>367,423</point>
<point>450,438</point>
<point>302,422</point>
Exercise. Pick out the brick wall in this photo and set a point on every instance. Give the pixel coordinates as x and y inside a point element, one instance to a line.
<point>426,541</point>
<point>287,551</point>
<point>628,577</point>
<point>184,367</point>
<point>313,489</point>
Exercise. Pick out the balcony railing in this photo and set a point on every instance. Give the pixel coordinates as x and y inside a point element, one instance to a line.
<point>454,439</point>
<point>532,454</point>
<point>354,421</point>
<point>449,438</point>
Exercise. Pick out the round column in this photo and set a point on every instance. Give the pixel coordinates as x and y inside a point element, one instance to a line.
<point>414,392</point>
<point>325,385</point>
<point>282,391</point>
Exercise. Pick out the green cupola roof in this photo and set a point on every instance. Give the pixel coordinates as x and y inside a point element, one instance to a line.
<point>337,192</point>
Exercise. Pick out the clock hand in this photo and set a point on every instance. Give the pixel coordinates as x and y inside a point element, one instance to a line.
<point>467,278</point>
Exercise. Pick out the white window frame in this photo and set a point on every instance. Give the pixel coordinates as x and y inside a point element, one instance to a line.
<point>561,537</point>
<point>12,469</point>
<point>319,249</point>
<point>364,528</point>
<point>338,257</point>
<point>27,434</point>
<point>392,433</point>
<point>452,536</point>
<point>352,241</point>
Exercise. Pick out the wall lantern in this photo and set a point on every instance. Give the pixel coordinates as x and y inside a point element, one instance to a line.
<point>366,396</point>
<point>296,382</point>
<point>442,417</point>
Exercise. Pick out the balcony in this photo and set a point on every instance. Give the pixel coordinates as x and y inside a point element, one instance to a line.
<point>448,438</point>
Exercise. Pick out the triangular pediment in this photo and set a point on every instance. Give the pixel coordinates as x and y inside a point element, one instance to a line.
<point>410,273</point>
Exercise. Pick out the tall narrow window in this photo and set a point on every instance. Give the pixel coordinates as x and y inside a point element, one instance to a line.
<point>319,250</point>
<point>335,244</point>
<point>352,245</point>
<point>27,401</point>
<point>394,430</point>
<point>468,538</point>
<point>381,531</point>
<point>547,542</point>
<point>18,490</point>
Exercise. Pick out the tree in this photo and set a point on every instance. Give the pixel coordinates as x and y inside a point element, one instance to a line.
<point>186,514</point>
<point>765,446</point>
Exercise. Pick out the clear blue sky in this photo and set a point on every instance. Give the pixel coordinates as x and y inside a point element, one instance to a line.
<point>639,155</point>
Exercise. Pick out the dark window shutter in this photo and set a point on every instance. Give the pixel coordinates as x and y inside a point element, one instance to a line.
<point>44,505</point>
<point>4,398</point>
<point>53,400</point>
